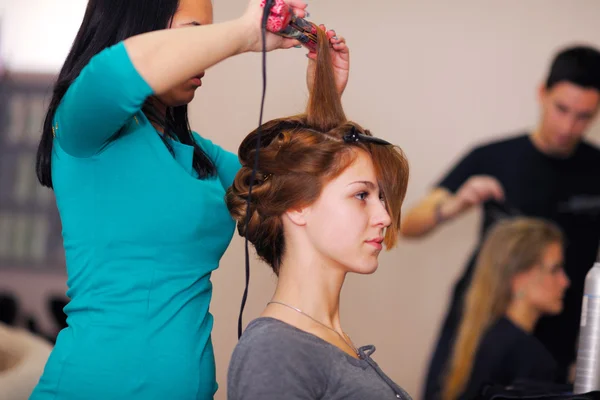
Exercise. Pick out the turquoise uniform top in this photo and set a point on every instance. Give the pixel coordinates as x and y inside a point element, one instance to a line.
<point>142,235</point>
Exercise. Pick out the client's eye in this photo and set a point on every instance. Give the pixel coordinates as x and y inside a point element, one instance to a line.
<point>362,195</point>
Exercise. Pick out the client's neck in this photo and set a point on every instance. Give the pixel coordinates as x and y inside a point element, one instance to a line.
<point>307,283</point>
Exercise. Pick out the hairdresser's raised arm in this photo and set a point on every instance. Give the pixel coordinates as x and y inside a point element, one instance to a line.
<point>167,58</point>
<point>340,59</point>
<point>116,82</point>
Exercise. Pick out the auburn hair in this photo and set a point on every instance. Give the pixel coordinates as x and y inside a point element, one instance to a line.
<point>298,156</point>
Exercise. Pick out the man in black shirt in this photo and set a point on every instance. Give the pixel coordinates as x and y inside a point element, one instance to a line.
<point>549,173</point>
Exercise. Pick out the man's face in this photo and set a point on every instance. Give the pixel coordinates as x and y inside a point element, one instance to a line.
<point>567,111</point>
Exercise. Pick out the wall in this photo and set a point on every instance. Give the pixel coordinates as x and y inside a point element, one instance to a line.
<point>432,76</point>
<point>37,34</point>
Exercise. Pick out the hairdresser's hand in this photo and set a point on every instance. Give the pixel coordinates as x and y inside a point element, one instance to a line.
<point>340,57</point>
<point>477,190</point>
<point>251,21</point>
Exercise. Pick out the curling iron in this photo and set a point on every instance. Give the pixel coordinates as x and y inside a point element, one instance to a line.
<point>283,22</point>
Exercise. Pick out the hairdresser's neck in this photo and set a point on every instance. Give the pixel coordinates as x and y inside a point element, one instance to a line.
<point>161,109</point>
<point>523,315</point>
<point>307,282</point>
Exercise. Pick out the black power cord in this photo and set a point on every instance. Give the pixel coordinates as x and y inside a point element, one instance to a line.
<point>266,12</point>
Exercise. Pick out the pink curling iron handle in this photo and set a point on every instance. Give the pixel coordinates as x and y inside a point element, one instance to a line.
<point>280,16</point>
<point>283,22</point>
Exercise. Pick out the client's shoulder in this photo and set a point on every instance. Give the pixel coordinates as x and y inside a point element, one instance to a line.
<point>267,332</point>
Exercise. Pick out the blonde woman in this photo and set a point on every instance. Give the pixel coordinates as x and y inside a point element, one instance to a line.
<point>519,277</point>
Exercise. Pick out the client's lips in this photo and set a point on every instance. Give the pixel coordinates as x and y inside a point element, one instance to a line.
<point>376,243</point>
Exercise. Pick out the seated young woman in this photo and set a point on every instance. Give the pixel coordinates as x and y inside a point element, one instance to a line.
<point>325,202</point>
<point>519,277</point>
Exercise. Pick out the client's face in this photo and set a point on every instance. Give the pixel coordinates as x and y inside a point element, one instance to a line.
<point>548,282</point>
<point>347,222</point>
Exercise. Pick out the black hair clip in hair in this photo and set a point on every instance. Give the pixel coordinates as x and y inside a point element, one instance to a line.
<point>354,136</point>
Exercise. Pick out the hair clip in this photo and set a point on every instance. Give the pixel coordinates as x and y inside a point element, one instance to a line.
<point>354,136</point>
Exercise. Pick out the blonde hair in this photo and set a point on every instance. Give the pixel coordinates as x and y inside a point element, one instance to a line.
<point>512,246</point>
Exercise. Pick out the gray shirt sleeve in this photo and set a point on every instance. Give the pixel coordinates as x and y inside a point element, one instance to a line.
<point>268,363</point>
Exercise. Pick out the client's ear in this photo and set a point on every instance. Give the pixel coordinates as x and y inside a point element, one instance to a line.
<point>297,216</point>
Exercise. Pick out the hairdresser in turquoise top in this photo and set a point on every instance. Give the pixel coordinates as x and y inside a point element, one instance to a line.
<point>141,197</point>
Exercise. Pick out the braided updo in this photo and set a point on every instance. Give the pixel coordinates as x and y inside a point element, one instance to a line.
<point>298,155</point>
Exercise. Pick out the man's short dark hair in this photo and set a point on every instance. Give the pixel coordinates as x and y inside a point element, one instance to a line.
<point>579,65</point>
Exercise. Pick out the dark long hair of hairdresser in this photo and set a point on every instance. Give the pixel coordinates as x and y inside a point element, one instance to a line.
<point>106,23</point>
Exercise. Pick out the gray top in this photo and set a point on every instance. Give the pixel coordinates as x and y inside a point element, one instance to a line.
<point>275,360</point>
